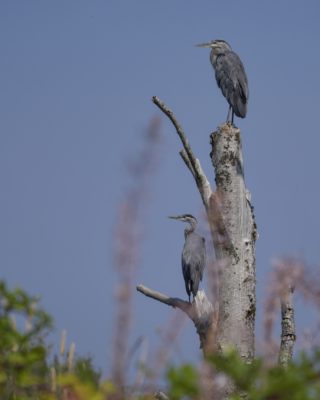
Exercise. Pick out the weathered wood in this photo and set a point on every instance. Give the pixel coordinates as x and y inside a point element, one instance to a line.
<point>234,235</point>
<point>200,311</point>
<point>187,154</point>
<point>288,334</point>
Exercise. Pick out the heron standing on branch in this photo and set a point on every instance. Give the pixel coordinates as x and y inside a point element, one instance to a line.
<point>193,255</point>
<point>231,77</point>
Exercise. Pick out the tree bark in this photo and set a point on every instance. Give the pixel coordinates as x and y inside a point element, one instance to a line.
<point>234,235</point>
<point>288,334</point>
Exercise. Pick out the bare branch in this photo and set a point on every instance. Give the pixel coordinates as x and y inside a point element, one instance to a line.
<point>288,336</point>
<point>178,127</point>
<point>203,184</point>
<point>200,311</point>
<point>193,164</point>
<point>186,160</point>
<point>170,301</point>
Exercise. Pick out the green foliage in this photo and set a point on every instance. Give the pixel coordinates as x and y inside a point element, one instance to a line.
<point>299,381</point>
<point>23,367</point>
<point>25,372</point>
<point>254,381</point>
<point>183,382</point>
<point>243,375</point>
<point>86,372</point>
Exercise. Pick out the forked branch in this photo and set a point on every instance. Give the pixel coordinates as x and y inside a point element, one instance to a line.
<point>187,155</point>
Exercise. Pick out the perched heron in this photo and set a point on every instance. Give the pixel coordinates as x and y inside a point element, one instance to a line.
<point>231,77</point>
<point>193,255</point>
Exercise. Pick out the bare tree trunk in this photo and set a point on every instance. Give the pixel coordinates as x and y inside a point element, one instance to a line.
<point>288,334</point>
<point>234,234</point>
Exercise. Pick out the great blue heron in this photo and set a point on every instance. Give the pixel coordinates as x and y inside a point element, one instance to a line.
<point>193,255</point>
<point>230,75</point>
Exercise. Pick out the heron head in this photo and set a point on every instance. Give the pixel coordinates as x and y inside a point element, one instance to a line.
<point>186,218</point>
<point>219,46</point>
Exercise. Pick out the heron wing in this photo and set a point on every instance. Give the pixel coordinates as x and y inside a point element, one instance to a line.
<point>186,274</point>
<point>232,80</point>
<point>193,261</point>
<point>199,263</point>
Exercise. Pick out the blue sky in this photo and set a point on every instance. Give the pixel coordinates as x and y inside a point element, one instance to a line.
<point>76,82</point>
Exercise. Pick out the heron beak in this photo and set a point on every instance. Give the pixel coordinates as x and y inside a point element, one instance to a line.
<point>204,45</point>
<point>173,217</point>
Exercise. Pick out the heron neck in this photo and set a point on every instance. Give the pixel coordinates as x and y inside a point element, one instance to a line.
<point>213,57</point>
<point>190,229</point>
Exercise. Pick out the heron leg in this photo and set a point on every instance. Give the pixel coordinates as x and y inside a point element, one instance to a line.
<point>232,117</point>
<point>228,116</point>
